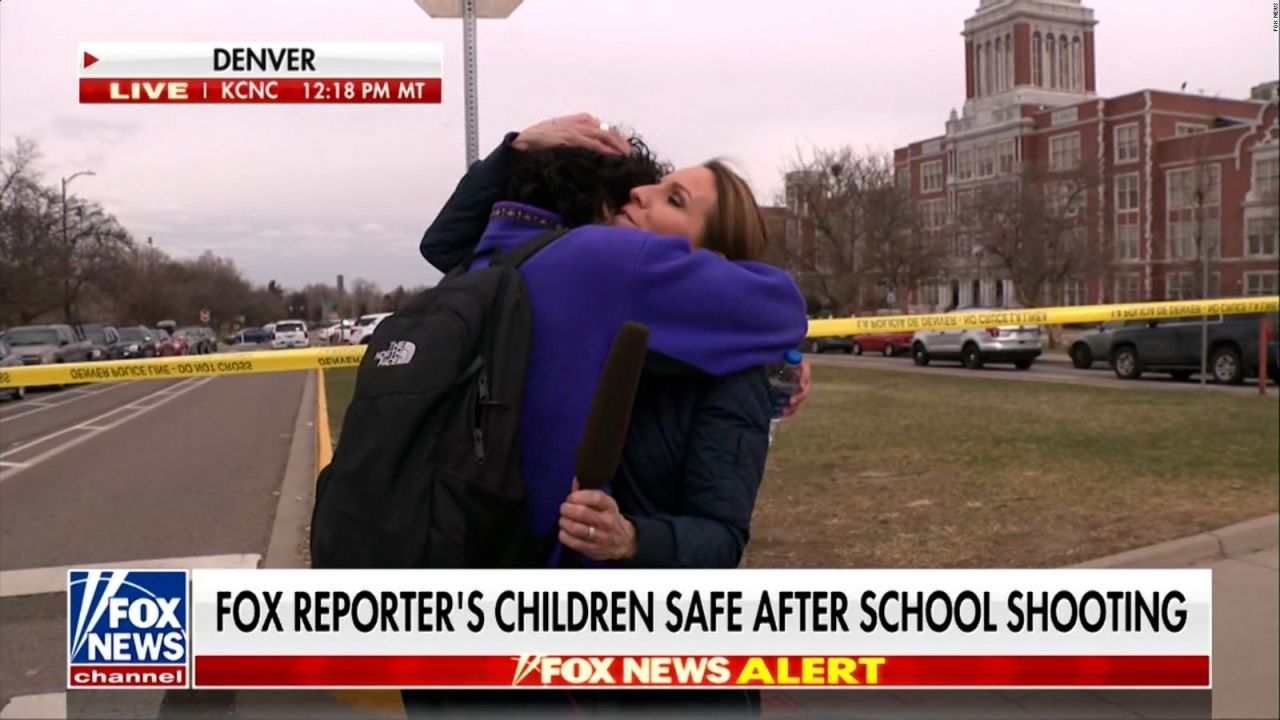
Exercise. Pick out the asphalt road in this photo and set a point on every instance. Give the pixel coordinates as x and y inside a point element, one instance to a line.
<point>126,473</point>
<point>1052,371</point>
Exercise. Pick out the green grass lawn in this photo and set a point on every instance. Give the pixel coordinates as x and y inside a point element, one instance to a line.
<point>892,469</point>
<point>339,384</point>
<point>888,469</point>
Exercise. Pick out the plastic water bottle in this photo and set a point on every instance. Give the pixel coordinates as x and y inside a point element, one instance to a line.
<point>784,381</point>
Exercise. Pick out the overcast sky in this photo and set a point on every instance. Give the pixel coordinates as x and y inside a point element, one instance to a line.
<point>300,194</point>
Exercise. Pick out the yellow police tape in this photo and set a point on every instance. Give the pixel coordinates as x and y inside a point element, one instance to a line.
<point>172,368</point>
<point>183,366</point>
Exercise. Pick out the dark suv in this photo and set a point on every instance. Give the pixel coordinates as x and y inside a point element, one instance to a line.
<point>1173,346</point>
<point>105,340</point>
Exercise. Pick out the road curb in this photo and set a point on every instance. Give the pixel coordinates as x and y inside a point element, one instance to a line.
<point>1234,540</point>
<point>293,511</point>
<point>1249,536</point>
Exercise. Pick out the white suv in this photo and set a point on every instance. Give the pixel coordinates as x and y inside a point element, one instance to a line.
<point>1017,344</point>
<point>290,334</point>
<point>359,334</point>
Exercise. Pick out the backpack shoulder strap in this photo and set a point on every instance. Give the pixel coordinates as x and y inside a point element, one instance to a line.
<point>521,253</point>
<point>515,257</point>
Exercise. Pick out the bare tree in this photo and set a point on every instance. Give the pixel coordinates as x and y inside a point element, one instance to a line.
<point>1035,225</point>
<point>97,250</point>
<point>854,238</point>
<point>39,271</point>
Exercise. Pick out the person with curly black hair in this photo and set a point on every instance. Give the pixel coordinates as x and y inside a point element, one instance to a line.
<point>579,185</point>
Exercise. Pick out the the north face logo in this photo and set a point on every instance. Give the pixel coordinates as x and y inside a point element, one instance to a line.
<point>399,352</point>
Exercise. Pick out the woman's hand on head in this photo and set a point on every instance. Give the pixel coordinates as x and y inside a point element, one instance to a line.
<point>613,536</point>
<point>583,130</point>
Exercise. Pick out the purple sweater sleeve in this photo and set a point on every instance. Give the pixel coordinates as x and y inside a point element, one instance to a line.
<point>718,315</point>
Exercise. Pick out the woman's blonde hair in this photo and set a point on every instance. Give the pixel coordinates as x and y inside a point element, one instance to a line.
<point>735,226</point>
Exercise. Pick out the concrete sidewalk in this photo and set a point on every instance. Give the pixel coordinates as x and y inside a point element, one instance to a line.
<point>1246,645</point>
<point>1246,609</point>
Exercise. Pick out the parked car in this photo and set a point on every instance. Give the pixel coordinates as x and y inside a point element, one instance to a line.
<point>1093,345</point>
<point>250,336</point>
<point>106,341</point>
<point>179,342</point>
<point>290,334</point>
<point>1173,346</point>
<point>48,344</point>
<point>887,345</point>
<point>1017,344</point>
<point>210,338</point>
<point>136,342</point>
<point>360,333</point>
<point>842,344</point>
<point>9,358</point>
<point>200,340</point>
<point>163,344</point>
<point>334,333</point>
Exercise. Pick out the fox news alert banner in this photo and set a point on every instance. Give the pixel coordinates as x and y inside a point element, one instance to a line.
<point>295,72</point>
<point>757,628</point>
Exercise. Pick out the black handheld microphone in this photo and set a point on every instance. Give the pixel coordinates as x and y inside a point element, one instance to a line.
<point>600,450</point>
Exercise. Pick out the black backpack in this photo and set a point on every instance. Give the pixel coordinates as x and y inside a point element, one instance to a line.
<point>426,473</point>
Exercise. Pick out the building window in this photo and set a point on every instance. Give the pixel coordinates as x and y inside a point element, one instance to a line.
<point>1065,198</point>
<point>1127,241</point>
<point>977,70</point>
<point>1188,189</point>
<point>1181,129</point>
<point>1064,152</point>
<point>1037,61</point>
<point>931,176</point>
<point>1008,61</point>
<point>1127,192</point>
<point>933,214</point>
<point>1052,52</point>
<point>965,169</point>
<point>1189,285</point>
<point>1064,63</point>
<point>1261,283</point>
<point>1263,236</point>
<point>1007,159</point>
<point>1180,286</point>
<point>1126,142</point>
<point>1077,64</point>
<point>1185,245</point>
<point>999,64</point>
<point>1129,287</point>
<point>1266,177</point>
<point>1181,241</point>
<point>1073,292</point>
<point>904,179</point>
<point>986,155</point>
<point>988,68</point>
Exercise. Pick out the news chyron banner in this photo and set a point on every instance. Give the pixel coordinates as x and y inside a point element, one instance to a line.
<point>260,73</point>
<point>853,629</point>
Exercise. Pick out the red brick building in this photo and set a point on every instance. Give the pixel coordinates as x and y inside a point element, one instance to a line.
<point>1030,100</point>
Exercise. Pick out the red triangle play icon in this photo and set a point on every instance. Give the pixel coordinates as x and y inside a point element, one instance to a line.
<point>89,59</point>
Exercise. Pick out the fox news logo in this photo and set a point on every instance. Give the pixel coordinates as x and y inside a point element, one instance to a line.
<point>127,628</point>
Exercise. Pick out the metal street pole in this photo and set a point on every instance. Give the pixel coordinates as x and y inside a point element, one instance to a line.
<point>1204,319</point>
<point>469,62</point>
<point>66,248</point>
<point>470,11</point>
